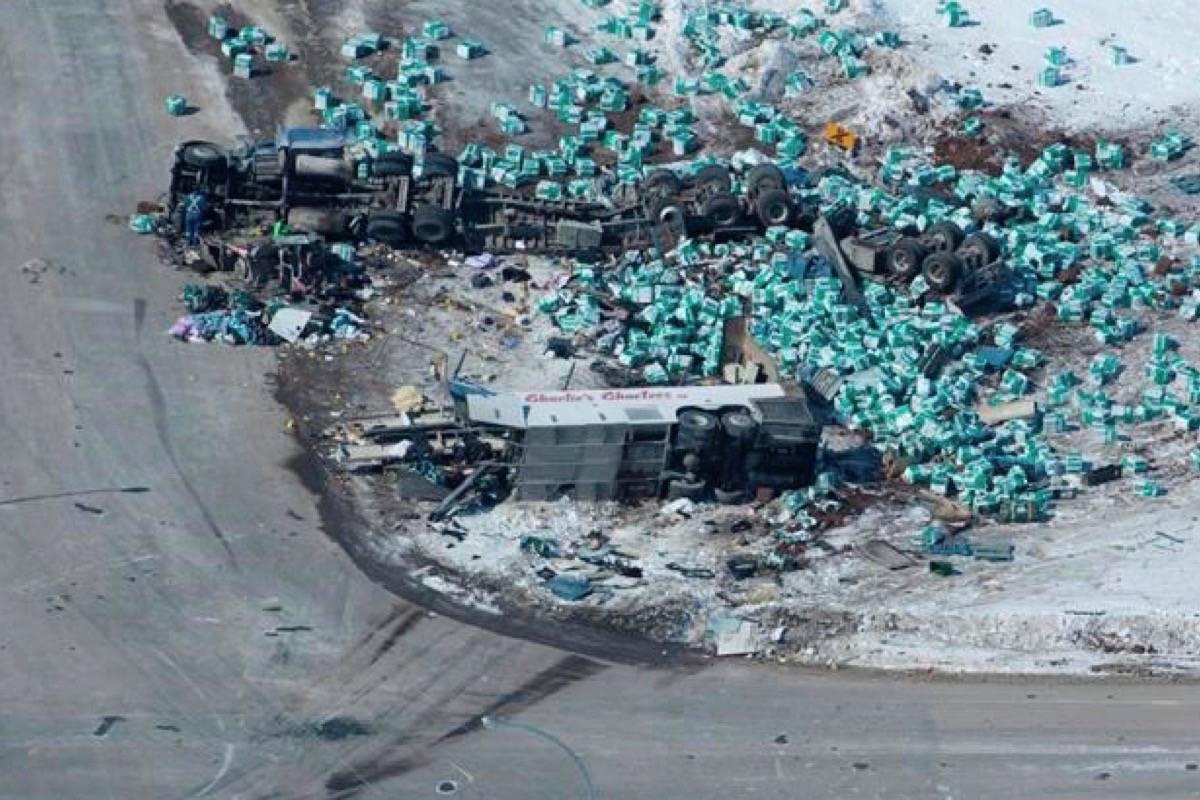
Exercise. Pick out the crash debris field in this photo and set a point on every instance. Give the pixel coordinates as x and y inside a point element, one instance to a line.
<point>842,332</point>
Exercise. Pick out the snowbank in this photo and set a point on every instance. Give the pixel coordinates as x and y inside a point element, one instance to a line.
<point>1094,93</point>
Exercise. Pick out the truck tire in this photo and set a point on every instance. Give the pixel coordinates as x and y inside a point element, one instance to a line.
<point>387,227</point>
<point>696,429</point>
<point>774,207</point>
<point>656,205</point>
<point>391,165</point>
<point>979,249</point>
<point>322,169</point>
<point>905,258</point>
<point>723,210</point>
<point>944,237</point>
<point>739,425</point>
<point>433,224</point>
<point>321,221</point>
<point>662,182</point>
<point>763,177</point>
<point>439,165</point>
<point>666,212</point>
<point>714,177</point>
<point>203,155</point>
<point>942,271</point>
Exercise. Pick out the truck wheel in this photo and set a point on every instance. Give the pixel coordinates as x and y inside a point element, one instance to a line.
<point>662,182</point>
<point>670,215</point>
<point>979,249</point>
<point>944,237</point>
<point>723,210</point>
<point>738,425</point>
<point>905,258</point>
<point>321,221</point>
<point>203,155</point>
<point>386,227</point>
<point>774,207</point>
<point>433,224</point>
<point>714,177</point>
<point>696,429</point>
<point>656,205</point>
<point>439,165</point>
<point>942,271</point>
<point>764,177</point>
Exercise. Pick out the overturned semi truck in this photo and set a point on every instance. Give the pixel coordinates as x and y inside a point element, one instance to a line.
<point>307,178</point>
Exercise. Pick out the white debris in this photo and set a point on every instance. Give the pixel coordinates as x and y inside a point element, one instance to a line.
<point>680,507</point>
<point>740,642</point>
<point>289,323</point>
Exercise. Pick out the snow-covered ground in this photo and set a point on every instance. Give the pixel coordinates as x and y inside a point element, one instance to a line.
<point>1160,36</point>
<point>1106,587</point>
<point>1110,581</point>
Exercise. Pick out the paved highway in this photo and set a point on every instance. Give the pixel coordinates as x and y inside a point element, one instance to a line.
<point>175,623</point>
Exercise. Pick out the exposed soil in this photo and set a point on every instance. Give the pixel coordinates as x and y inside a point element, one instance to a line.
<point>1003,135</point>
<point>262,102</point>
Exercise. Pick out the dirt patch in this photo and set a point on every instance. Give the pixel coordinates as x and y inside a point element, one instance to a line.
<point>190,23</point>
<point>263,100</point>
<point>1003,135</point>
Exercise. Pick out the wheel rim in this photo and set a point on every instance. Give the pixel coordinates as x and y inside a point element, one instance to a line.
<point>738,424</point>
<point>672,217</point>
<point>777,214</point>
<point>939,272</point>
<point>903,262</point>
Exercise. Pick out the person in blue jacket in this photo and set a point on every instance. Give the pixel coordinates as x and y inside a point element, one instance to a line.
<point>194,211</point>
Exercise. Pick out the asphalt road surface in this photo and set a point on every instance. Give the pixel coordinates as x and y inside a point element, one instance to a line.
<point>175,624</point>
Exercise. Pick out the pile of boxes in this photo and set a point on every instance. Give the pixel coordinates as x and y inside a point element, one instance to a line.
<point>241,46</point>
